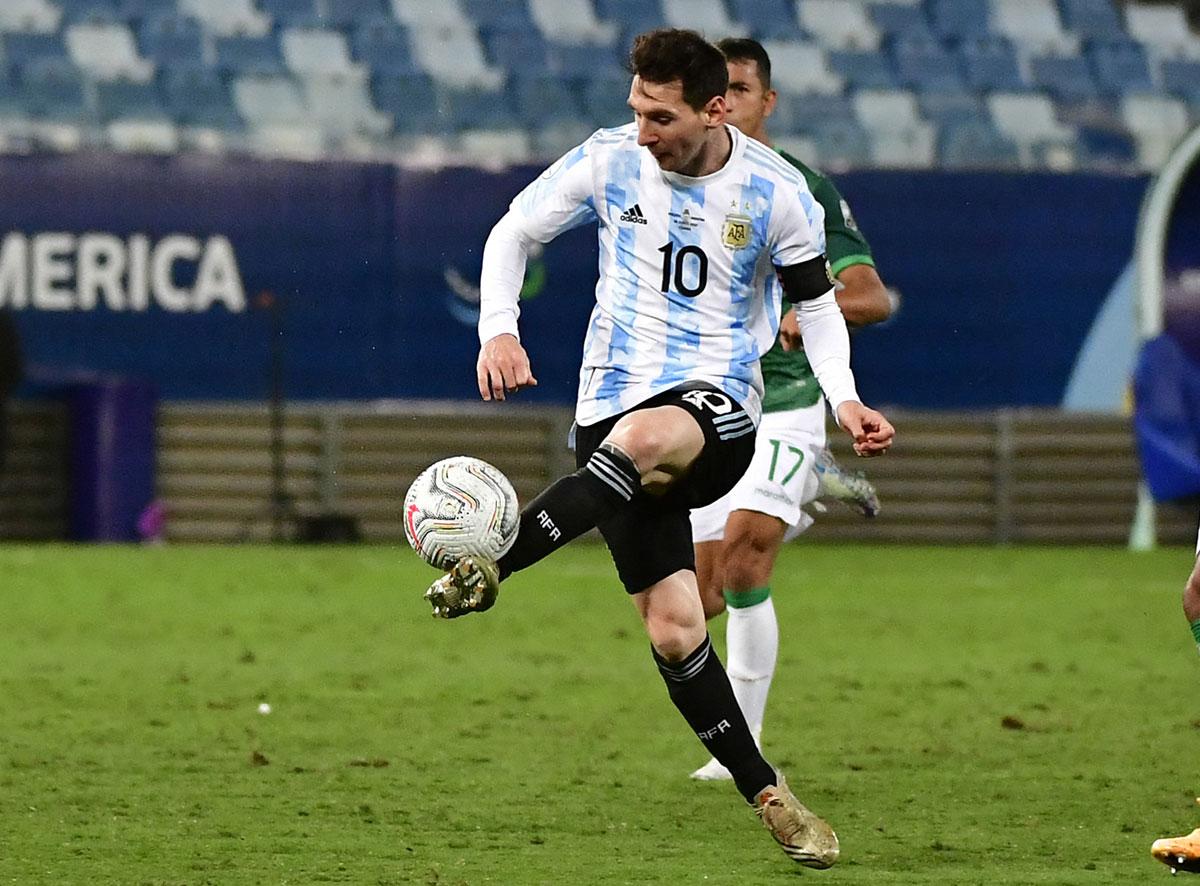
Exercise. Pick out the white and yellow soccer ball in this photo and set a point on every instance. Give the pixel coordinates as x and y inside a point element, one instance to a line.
<point>460,507</point>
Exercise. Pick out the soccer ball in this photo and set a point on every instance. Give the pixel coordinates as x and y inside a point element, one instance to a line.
<point>460,507</point>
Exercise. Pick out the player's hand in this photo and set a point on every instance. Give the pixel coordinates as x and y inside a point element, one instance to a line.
<point>503,366</point>
<point>872,433</point>
<point>789,332</point>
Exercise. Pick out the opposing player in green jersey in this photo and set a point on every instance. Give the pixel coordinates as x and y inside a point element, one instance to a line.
<point>738,537</point>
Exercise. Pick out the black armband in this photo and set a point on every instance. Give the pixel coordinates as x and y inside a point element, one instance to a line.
<point>807,280</point>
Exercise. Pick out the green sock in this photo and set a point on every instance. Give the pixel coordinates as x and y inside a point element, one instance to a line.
<point>754,596</point>
<point>1196,632</point>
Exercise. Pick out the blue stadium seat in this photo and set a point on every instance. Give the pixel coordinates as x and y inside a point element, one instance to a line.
<point>196,95</point>
<point>975,144</point>
<point>54,89</point>
<point>960,18</point>
<point>768,19</point>
<point>353,13</point>
<point>1181,77</point>
<point>897,20</point>
<point>292,13</point>
<point>384,48</point>
<point>1067,78</point>
<point>605,99</point>
<point>87,10</point>
<point>803,113</point>
<point>249,55</point>
<point>950,108</point>
<point>502,15</point>
<point>841,143</point>
<point>134,11</point>
<point>863,70</point>
<point>1120,67</point>
<point>168,41</point>
<point>543,99</point>
<point>923,64</point>
<point>517,51</point>
<point>394,94</point>
<point>634,16</point>
<point>581,61</point>
<point>12,97</point>
<point>116,99</point>
<point>991,65</point>
<point>1105,146</point>
<point>1092,19</point>
<point>28,48</point>
<point>476,109</point>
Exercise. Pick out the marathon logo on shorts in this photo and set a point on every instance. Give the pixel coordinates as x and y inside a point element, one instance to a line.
<point>634,214</point>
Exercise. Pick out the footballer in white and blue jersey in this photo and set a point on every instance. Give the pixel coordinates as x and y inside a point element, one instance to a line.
<point>687,288</point>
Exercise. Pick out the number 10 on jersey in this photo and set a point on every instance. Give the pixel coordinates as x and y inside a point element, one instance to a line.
<point>677,271</point>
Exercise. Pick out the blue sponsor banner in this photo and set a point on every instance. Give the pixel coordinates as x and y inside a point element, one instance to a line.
<point>153,268</point>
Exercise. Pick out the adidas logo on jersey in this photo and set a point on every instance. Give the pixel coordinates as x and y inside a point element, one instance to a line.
<point>634,214</point>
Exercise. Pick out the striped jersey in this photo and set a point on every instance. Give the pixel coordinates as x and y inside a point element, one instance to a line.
<point>687,289</point>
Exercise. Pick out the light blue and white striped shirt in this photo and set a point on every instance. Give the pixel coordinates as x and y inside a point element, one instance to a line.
<point>687,288</point>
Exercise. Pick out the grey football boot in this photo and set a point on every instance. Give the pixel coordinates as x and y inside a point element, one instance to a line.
<point>471,585</point>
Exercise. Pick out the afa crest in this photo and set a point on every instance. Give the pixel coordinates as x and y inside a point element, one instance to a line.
<point>735,233</point>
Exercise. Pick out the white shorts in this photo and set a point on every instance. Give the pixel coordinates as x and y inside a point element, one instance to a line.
<point>781,478</point>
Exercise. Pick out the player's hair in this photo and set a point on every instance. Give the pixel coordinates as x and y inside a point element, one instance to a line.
<point>670,54</point>
<point>743,49</point>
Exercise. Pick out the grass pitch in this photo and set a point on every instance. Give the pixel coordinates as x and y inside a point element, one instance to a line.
<point>960,715</point>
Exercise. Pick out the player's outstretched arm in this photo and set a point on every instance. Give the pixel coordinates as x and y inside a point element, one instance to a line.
<point>872,433</point>
<point>502,366</point>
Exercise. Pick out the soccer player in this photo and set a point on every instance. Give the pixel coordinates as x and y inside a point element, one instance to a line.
<point>702,231</point>
<point>1183,853</point>
<point>739,536</point>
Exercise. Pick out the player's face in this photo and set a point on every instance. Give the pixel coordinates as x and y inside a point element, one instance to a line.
<point>671,129</point>
<point>748,103</point>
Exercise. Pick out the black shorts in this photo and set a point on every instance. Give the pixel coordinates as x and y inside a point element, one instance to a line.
<point>651,538</point>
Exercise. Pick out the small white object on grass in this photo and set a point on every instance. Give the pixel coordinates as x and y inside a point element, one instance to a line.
<point>264,708</point>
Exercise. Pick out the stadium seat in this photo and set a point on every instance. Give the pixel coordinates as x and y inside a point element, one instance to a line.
<point>959,19</point>
<point>107,51</point>
<point>170,40</point>
<point>1105,147</point>
<point>709,17</point>
<point>290,141</point>
<point>315,51</point>
<point>1157,123</point>
<point>248,55</point>
<point>123,98</point>
<point>349,14</point>
<point>605,96</point>
<point>474,108</point>
<point>88,11</point>
<point>442,14</point>
<point>544,98</point>
<point>453,57</point>
<point>503,15</point>
<point>142,136</point>
<point>1181,77</point>
<point>767,19</point>
<point>886,110</point>
<point>863,70</point>
<point>393,94</point>
<point>1120,67</point>
<point>897,20</point>
<point>922,63</point>
<point>54,89</point>
<point>197,96</point>
<point>227,17</point>
<point>802,68</point>
<point>495,148</point>
<point>552,141</point>
<point>839,24</point>
<point>975,144</point>
<point>1033,25</point>
<point>383,47</point>
<point>1067,78</point>
<point>36,16</point>
<point>631,16</point>
<point>340,104</point>
<point>991,65</point>
<point>1029,121</point>
<point>1162,29</point>
<point>12,101</point>
<point>912,148</point>
<point>26,48</point>
<point>141,11</point>
<point>580,60</point>
<point>806,113</point>
<point>263,100</point>
<point>841,144</point>
<point>516,51</point>
<point>949,109</point>
<point>1092,19</point>
<point>571,21</point>
<point>292,13</point>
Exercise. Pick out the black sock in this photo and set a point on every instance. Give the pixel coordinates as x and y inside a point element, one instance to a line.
<point>571,506</point>
<point>700,689</point>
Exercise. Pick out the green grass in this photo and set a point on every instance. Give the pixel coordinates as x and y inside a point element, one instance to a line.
<point>536,744</point>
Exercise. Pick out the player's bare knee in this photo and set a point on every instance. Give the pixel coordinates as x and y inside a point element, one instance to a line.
<point>749,557</point>
<point>673,636</point>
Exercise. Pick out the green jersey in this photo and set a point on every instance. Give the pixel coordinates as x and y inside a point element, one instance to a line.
<point>787,377</point>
